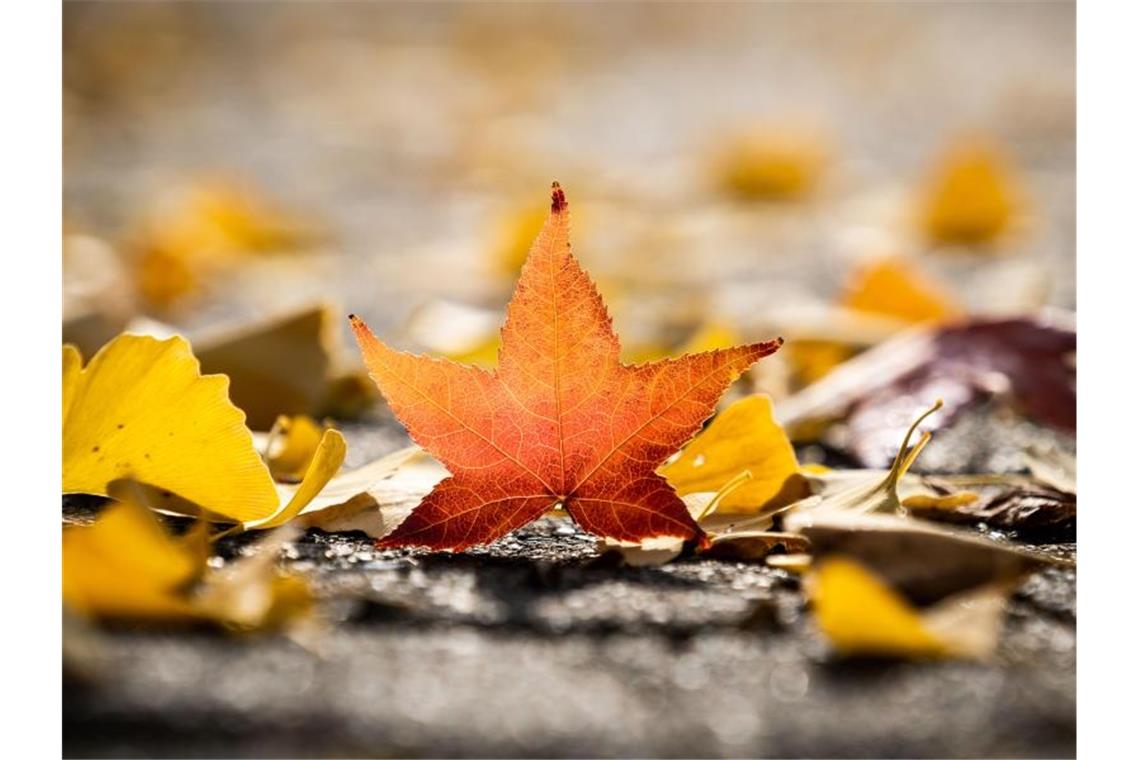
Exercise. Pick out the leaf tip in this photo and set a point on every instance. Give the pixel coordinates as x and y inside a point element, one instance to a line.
<point>557,198</point>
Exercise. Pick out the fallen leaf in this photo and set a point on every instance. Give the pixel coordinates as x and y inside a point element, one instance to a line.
<point>1035,513</point>
<point>892,287</point>
<point>971,196</point>
<point>860,614</point>
<point>126,566</point>
<point>926,562</point>
<point>743,438</point>
<point>771,163</point>
<point>1029,362</point>
<point>290,364</point>
<point>213,222</point>
<point>142,409</point>
<point>377,497</point>
<point>560,420</point>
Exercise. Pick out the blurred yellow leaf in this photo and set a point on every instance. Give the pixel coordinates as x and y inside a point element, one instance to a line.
<point>214,223</point>
<point>971,195</point>
<point>771,163</point>
<point>743,438</point>
<point>292,443</point>
<point>126,565</point>
<point>860,614</point>
<point>142,409</point>
<point>892,288</point>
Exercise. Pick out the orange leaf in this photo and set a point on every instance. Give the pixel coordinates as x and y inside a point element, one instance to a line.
<point>560,421</point>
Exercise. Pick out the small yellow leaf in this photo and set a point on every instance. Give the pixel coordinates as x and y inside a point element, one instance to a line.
<point>126,565</point>
<point>860,614</point>
<point>292,445</point>
<point>971,197</point>
<point>212,224</point>
<point>743,438</point>
<point>142,409</point>
<point>892,288</point>
<point>772,163</point>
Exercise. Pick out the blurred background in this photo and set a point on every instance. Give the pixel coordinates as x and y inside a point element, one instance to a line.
<point>727,165</point>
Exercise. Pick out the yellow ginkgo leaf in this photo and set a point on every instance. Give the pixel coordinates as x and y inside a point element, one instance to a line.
<point>860,614</point>
<point>126,565</point>
<point>743,438</point>
<point>142,409</point>
<point>890,287</point>
<point>971,195</point>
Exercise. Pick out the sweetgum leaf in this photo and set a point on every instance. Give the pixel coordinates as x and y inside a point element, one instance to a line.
<point>561,420</point>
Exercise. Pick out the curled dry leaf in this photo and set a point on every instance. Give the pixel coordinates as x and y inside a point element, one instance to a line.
<point>860,614</point>
<point>561,420</point>
<point>1029,362</point>
<point>1037,513</point>
<point>290,364</point>
<point>142,409</point>
<point>925,562</point>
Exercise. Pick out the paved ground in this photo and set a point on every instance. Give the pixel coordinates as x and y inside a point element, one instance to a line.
<point>536,647</point>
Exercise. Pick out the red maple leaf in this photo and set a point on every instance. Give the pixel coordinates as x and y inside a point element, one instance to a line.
<point>560,421</point>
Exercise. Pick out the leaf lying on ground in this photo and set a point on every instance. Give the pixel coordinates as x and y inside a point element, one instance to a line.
<point>142,409</point>
<point>926,562</point>
<point>743,438</point>
<point>861,615</point>
<point>291,364</point>
<point>1027,361</point>
<point>890,286</point>
<point>1033,512</point>
<point>771,163</point>
<point>376,497</point>
<point>560,420</point>
<point>971,197</point>
<point>214,223</point>
<point>126,566</point>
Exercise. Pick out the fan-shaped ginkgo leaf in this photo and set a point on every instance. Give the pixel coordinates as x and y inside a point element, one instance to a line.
<point>142,409</point>
<point>743,438</point>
